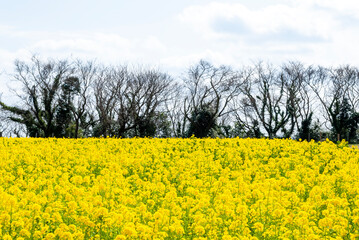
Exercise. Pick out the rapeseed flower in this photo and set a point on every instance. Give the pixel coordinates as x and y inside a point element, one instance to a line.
<point>178,189</point>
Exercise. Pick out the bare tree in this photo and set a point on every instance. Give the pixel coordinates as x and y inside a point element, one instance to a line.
<point>350,76</point>
<point>148,92</point>
<point>174,110</point>
<point>107,88</point>
<point>129,101</point>
<point>333,89</point>
<point>41,81</point>
<point>82,107</point>
<point>210,92</point>
<point>301,98</point>
<point>330,87</point>
<point>270,101</point>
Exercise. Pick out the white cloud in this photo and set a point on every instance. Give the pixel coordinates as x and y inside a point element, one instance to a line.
<point>103,46</point>
<point>313,31</point>
<point>346,7</point>
<point>106,48</point>
<point>302,18</point>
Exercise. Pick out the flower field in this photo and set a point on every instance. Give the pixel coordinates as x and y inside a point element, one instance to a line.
<point>177,189</point>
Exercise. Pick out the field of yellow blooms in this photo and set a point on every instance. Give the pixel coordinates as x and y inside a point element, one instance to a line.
<point>177,189</point>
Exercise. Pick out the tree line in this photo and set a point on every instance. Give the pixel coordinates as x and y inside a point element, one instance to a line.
<point>72,99</point>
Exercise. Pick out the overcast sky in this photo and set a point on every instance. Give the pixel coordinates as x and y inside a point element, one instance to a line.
<point>172,35</point>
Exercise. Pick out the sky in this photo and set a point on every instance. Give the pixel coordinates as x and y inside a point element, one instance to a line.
<point>173,35</point>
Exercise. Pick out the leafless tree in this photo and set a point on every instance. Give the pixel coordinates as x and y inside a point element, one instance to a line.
<point>125,100</point>
<point>301,98</point>
<point>270,100</point>
<point>82,110</point>
<point>210,91</point>
<point>350,77</point>
<point>330,86</point>
<point>148,92</point>
<point>107,87</point>
<point>40,81</point>
<point>335,90</point>
<point>174,110</point>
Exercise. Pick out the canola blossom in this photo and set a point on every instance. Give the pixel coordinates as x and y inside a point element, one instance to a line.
<point>177,189</point>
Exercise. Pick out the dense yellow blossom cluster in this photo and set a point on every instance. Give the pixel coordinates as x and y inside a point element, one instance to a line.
<point>177,189</point>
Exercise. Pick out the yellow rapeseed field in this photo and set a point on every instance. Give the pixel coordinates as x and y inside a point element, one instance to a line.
<point>177,189</point>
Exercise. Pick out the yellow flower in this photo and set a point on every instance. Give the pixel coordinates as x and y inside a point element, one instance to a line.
<point>7,237</point>
<point>120,237</point>
<point>326,222</point>
<point>129,230</point>
<point>37,235</point>
<point>199,230</point>
<point>175,188</point>
<point>259,226</point>
<point>50,236</point>
<point>25,233</point>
